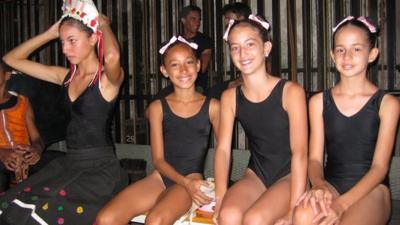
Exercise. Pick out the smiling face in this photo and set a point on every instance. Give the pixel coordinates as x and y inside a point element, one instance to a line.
<point>181,66</point>
<point>248,50</point>
<point>352,51</point>
<point>77,44</point>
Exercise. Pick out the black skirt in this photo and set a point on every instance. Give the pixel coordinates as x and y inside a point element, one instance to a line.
<point>69,190</point>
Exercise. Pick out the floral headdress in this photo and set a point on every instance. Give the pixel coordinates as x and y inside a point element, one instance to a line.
<point>86,12</point>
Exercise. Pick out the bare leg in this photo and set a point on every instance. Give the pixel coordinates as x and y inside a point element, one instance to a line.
<point>373,209</point>
<point>239,198</point>
<point>172,204</point>
<point>272,204</point>
<point>135,199</point>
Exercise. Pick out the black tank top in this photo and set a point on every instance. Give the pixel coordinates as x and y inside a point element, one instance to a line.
<point>266,125</point>
<point>90,117</point>
<point>186,139</point>
<point>350,140</point>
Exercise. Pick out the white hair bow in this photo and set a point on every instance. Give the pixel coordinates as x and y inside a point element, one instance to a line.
<point>175,39</point>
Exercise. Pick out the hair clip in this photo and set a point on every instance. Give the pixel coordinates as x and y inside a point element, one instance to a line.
<point>262,22</point>
<point>175,39</point>
<point>225,37</point>
<point>362,19</point>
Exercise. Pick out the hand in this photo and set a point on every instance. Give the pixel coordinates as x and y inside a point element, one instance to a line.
<point>54,30</point>
<point>12,160</point>
<point>320,198</point>
<point>31,155</point>
<point>286,220</point>
<point>193,187</point>
<point>335,213</point>
<point>103,20</point>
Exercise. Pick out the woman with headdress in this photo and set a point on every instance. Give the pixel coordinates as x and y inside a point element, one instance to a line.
<point>71,189</point>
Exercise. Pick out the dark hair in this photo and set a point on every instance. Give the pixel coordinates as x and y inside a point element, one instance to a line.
<point>238,8</point>
<point>187,9</point>
<point>164,55</point>
<point>4,67</point>
<point>264,33</point>
<point>76,23</point>
<point>372,37</point>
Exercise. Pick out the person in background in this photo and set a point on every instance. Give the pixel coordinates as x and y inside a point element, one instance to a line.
<point>20,142</point>
<point>234,11</point>
<point>190,18</point>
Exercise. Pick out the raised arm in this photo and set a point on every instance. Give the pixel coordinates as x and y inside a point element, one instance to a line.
<point>18,58</point>
<point>112,66</point>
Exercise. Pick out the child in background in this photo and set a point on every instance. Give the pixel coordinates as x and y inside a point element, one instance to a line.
<point>355,123</point>
<point>273,114</point>
<point>180,124</point>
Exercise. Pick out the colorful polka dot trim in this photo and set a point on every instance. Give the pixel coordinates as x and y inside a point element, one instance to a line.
<point>35,198</point>
<point>45,206</point>
<point>60,208</point>
<point>62,193</point>
<point>27,189</point>
<point>46,189</point>
<point>60,220</point>
<point>79,210</point>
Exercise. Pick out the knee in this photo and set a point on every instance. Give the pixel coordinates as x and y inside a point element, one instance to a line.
<point>230,215</point>
<point>252,217</point>
<point>105,218</point>
<point>303,215</point>
<point>154,219</point>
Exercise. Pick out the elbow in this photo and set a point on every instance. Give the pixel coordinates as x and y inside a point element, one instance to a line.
<point>112,58</point>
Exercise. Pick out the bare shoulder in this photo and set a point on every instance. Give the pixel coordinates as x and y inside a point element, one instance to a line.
<point>390,104</point>
<point>292,88</point>
<point>155,109</point>
<point>316,99</point>
<point>228,94</point>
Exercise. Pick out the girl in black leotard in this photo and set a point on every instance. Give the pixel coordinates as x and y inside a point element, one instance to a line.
<point>72,189</point>
<point>273,114</point>
<point>179,127</point>
<point>355,123</point>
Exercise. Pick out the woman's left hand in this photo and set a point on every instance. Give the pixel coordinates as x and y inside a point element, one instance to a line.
<point>335,213</point>
<point>286,220</point>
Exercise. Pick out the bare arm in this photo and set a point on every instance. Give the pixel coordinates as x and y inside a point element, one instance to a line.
<point>18,58</point>
<point>112,64</point>
<point>37,144</point>
<point>223,150</point>
<point>205,60</point>
<point>317,136</point>
<point>294,102</point>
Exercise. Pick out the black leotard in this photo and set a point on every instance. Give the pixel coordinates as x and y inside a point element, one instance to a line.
<point>185,140</point>
<point>350,141</point>
<point>267,127</point>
